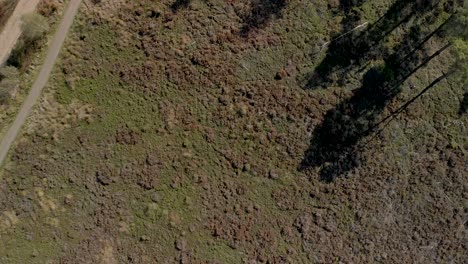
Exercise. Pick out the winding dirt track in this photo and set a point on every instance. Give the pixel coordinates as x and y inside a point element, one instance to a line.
<point>12,30</point>
<point>42,78</point>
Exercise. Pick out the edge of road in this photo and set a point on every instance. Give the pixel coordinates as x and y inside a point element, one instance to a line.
<point>41,80</point>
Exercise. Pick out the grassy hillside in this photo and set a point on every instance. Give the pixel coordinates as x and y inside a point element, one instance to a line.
<point>244,132</point>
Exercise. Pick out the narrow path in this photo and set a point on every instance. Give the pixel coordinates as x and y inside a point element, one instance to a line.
<point>42,78</point>
<point>12,30</point>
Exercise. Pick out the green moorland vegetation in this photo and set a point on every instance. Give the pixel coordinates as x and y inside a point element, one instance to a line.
<point>282,131</point>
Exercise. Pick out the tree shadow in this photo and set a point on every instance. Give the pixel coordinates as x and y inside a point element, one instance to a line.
<point>262,12</point>
<point>463,105</point>
<point>352,47</point>
<point>342,50</point>
<point>347,5</point>
<point>179,4</point>
<point>336,143</point>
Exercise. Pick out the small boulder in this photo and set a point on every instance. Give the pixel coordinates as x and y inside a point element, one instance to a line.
<point>181,244</point>
<point>103,178</point>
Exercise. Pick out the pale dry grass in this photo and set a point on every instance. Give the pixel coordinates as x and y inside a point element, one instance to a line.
<point>51,118</point>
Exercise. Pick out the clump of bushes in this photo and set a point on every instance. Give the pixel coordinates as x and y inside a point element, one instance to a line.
<point>47,7</point>
<point>34,27</point>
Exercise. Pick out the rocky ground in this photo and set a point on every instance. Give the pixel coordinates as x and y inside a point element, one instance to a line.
<point>181,132</point>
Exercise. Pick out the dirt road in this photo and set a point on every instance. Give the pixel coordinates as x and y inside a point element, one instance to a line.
<point>42,78</point>
<point>12,30</point>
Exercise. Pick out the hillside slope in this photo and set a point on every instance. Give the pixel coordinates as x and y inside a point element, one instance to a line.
<point>244,132</point>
